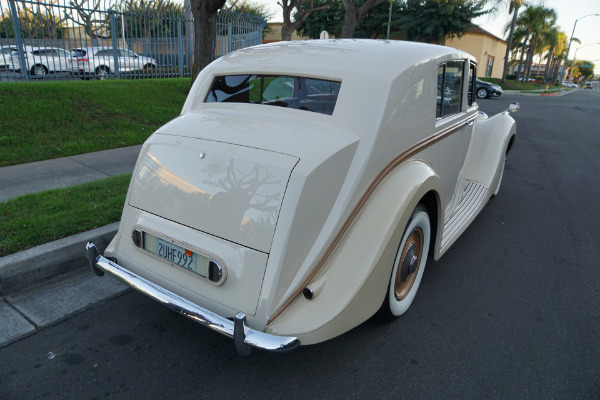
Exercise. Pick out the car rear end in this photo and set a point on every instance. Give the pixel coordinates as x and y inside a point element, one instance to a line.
<point>15,60</point>
<point>81,63</point>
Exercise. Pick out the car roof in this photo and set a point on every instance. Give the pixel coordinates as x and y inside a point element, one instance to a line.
<point>384,59</point>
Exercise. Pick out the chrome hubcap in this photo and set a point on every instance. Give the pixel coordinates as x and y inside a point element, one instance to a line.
<point>408,266</point>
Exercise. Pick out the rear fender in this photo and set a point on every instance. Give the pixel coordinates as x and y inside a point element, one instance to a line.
<point>352,284</point>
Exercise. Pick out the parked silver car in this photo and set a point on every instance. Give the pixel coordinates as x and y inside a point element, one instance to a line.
<point>40,61</point>
<point>100,62</point>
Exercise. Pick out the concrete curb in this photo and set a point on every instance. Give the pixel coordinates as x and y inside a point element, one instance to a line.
<point>35,266</point>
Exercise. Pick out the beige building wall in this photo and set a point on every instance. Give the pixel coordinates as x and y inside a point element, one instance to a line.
<point>275,34</point>
<point>488,49</point>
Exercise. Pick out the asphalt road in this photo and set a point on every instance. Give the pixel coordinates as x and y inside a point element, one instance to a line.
<point>510,312</point>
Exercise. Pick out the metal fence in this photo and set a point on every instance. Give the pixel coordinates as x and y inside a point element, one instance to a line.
<point>99,39</point>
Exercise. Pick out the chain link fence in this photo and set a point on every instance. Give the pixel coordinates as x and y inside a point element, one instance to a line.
<point>101,39</point>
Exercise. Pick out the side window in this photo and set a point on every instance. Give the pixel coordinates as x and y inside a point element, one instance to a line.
<point>449,88</point>
<point>472,79</point>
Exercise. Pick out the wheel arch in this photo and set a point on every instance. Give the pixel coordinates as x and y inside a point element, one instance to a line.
<point>102,66</point>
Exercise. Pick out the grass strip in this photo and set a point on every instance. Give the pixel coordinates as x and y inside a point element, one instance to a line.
<point>39,218</point>
<point>514,85</point>
<point>45,120</point>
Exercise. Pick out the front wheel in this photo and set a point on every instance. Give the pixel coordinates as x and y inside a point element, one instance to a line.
<point>39,71</point>
<point>409,265</point>
<point>482,93</point>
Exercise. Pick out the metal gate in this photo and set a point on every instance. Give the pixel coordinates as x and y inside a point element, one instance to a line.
<point>100,39</point>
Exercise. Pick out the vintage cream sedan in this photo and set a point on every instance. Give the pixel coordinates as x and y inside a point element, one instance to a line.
<point>304,186</point>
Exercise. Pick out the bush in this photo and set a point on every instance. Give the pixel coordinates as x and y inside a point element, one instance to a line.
<point>511,76</point>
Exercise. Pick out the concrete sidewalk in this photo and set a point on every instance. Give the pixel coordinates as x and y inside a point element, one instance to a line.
<point>18,180</point>
<point>44,285</point>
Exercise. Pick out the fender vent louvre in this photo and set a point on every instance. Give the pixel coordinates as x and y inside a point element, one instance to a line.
<point>470,200</point>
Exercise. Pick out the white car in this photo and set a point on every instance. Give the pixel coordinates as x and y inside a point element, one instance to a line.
<point>305,185</point>
<point>100,62</point>
<point>569,84</point>
<point>40,61</point>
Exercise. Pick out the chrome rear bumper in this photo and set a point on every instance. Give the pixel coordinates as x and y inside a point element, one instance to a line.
<point>243,337</point>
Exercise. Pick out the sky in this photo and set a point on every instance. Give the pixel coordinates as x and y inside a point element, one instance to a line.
<point>587,29</point>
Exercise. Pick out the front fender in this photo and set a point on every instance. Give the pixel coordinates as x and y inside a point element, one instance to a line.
<point>353,282</point>
<point>488,148</point>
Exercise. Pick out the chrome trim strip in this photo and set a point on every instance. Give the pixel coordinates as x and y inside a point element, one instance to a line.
<point>243,337</point>
<point>400,158</point>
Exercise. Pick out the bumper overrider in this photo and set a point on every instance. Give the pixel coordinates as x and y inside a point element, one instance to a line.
<point>244,338</point>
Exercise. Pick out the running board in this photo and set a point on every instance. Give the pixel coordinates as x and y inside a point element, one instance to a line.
<point>471,197</point>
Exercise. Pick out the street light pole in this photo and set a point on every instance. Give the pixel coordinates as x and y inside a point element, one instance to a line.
<point>569,48</point>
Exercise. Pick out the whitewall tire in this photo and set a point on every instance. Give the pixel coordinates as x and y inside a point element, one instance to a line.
<point>409,264</point>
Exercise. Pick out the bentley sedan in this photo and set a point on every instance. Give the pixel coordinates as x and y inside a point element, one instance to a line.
<point>305,186</point>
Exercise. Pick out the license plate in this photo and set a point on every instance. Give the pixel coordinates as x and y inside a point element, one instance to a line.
<point>175,254</point>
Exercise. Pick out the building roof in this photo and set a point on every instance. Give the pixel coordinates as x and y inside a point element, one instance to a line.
<point>481,31</point>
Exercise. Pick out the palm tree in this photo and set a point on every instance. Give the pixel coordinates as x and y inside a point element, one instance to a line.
<point>514,9</point>
<point>544,19</point>
<point>533,21</point>
<point>554,40</point>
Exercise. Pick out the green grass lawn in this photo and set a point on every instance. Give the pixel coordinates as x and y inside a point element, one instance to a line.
<point>514,85</point>
<point>44,120</point>
<point>40,218</point>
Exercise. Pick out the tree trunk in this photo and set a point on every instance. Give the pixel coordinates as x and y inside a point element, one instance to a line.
<point>288,27</point>
<point>350,21</point>
<point>521,60</point>
<point>509,44</point>
<point>530,54</point>
<point>286,32</point>
<point>549,63</point>
<point>205,32</point>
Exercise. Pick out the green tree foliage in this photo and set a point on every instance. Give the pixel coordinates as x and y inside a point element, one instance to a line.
<point>148,18</point>
<point>373,25</point>
<point>35,23</point>
<point>434,20</point>
<point>585,68</point>
<point>251,8</point>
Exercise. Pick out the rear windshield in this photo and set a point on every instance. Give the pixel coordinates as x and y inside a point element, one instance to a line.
<point>316,95</point>
<point>78,53</point>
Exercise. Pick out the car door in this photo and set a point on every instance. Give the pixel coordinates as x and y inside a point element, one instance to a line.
<point>128,60</point>
<point>455,113</point>
<point>61,60</point>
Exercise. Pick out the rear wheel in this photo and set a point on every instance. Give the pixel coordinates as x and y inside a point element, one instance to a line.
<point>102,73</point>
<point>409,265</point>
